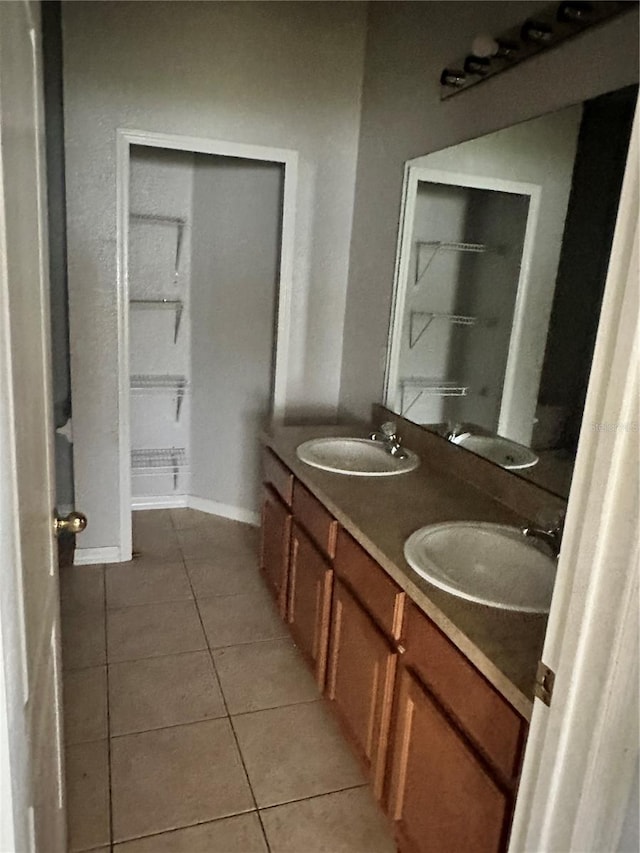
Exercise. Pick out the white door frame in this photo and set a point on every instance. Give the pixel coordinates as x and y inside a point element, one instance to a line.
<point>513,384</point>
<point>582,751</point>
<point>289,160</point>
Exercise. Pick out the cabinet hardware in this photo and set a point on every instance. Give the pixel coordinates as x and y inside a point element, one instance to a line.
<point>545,678</point>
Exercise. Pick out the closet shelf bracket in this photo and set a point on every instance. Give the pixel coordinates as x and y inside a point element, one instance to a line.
<point>159,460</point>
<point>414,387</point>
<point>433,247</point>
<point>176,305</point>
<point>180,225</point>
<point>142,384</point>
<point>419,322</point>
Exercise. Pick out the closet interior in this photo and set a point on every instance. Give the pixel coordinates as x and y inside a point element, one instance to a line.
<point>203,262</point>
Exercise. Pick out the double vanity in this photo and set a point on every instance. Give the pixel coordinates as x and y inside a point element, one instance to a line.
<point>370,569</point>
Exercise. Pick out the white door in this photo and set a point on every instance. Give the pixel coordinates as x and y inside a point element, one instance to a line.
<point>31,769</point>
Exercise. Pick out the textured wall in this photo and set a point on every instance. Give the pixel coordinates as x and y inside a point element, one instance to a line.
<point>402,117</point>
<point>286,75</point>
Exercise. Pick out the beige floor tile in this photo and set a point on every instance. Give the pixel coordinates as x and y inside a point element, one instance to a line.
<point>344,822</point>
<point>175,777</point>
<point>151,630</point>
<point>223,575</point>
<point>81,588</point>
<point>233,619</point>
<point>229,536</point>
<point>134,583</point>
<point>164,691</point>
<point>85,705</point>
<point>157,550</point>
<point>294,752</point>
<point>151,519</point>
<point>87,772</point>
<point>183,519</point>
<point>263,675</point>
<point>83,640</point>
<point>239,834</point>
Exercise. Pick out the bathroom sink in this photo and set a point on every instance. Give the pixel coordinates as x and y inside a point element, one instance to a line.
<point>502,451</point>
<point>492,564</point>
<point>360,457</point>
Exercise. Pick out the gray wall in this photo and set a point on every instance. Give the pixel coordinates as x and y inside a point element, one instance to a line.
<point>285,75</point>
<point>237,208</point>
<point>402,117</point>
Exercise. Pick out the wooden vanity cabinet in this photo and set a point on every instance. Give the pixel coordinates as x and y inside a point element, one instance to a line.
<point>276,527</point>
<point>360,678</point>
<point>309,601</point>
<point>456,749</point>
<point>366,621</point>
<point>274,546</point>
<point>442,798</point>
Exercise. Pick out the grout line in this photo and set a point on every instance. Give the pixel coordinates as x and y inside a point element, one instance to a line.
<point>313,797</point>
<point>170,726</point>
<point>229,718</point>
<point>180,828</point>
<point>275,707</point>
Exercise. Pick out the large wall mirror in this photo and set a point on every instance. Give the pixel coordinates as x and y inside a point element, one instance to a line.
<point>503,253</point>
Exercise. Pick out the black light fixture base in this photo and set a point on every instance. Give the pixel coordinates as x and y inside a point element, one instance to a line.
<point>552,26</point>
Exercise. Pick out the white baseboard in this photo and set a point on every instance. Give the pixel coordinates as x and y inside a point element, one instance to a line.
<point>159,502</point>
<point>224,510</point>
<point>91,556</point>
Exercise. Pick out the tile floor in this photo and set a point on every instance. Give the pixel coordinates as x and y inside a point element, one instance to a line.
<point>191,722</point>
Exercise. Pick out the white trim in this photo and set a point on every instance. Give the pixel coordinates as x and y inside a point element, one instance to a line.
<point>124,381</point>
<point>582,752</point>
<point>289,159</point>
<point>92,556</point>
<point>158,502</point>
<point>413,175</point>
<point>235,513</point>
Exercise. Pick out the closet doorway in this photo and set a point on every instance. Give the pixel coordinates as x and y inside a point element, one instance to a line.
<point>205,250</point>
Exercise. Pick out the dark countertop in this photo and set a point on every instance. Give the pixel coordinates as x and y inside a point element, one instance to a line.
<point>381,512</point>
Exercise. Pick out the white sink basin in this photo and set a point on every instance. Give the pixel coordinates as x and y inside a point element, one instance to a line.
<point>490,564</point>
<point>359,457</point>
<point>501,451</point>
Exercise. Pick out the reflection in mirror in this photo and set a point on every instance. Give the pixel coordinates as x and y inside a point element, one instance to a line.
<point>502,264</point>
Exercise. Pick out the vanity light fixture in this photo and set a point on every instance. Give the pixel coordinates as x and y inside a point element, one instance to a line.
<point>554,24</point>
<point>574,11</point>
<point>536,31</point>
<point>477,65</point>
<point>450,77</point>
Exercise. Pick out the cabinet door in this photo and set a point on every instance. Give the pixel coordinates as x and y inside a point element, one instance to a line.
<point>274,550</point>
<point>360,681</point>
<point>310,580</point>
<point>441,796</point>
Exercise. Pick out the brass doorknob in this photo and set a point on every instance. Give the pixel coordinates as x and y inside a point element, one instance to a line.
<point>75,522</point>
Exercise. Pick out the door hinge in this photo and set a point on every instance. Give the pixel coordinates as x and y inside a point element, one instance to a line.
<point>545,678</point>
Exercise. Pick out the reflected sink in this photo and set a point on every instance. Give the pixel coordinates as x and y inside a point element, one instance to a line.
<point>360,457</point>
<point>501,451</point>
<point>492,564</point>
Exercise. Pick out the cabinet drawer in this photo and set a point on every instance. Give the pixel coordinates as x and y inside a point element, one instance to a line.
<point>318,523</point>
<point>381,596</point>
<point>278,476</point>
<point>487,718</point>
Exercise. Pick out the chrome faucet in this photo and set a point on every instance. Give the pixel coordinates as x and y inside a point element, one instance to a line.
<point>391,440</point>
<point>552,536</point>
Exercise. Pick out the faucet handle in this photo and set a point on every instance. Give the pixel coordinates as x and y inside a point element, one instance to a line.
<point>388,429</point>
